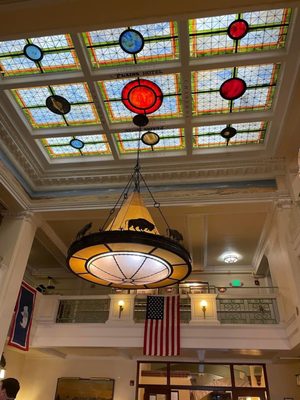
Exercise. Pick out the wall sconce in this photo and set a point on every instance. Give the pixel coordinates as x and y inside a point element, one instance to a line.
<point>203,305</point>
<point>298,379</point>
<point>121,307</point>
<point>2,367</point>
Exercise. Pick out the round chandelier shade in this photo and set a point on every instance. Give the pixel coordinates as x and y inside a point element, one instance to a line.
<point>130,253</point>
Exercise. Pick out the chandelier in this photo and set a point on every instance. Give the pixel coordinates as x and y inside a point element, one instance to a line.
<point>129,252</point>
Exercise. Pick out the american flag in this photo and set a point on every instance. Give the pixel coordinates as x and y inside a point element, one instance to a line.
<point>162,326</point>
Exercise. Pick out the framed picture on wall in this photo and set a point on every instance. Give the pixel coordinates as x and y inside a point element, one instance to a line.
<point>84,389</point>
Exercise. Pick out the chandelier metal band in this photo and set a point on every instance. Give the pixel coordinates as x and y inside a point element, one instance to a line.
<point>98,258</point>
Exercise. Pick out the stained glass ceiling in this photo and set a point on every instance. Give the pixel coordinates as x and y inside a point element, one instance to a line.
<point>33,104</point>
<point>76,146</point>
<point>161,44</point>
<point>169,84</point>
<point>260,80</point>
<point>247,133</point>
<point>58,55</point>
<point>267,31</point>
<point>89,70</point>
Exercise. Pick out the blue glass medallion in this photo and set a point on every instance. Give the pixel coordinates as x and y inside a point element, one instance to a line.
<point>33,52</point>
<point>77,144</point>
<point>131,41</point>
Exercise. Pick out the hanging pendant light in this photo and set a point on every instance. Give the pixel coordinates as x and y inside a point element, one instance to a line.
<point>129,252</point>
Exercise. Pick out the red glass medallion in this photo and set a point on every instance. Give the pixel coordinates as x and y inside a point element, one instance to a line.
<point>233,88</point>
<point>142,96</point>
<point>238,29</point>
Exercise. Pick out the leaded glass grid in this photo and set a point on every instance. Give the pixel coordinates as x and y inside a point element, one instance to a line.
<point>261,83</point>
<point>33,104</point>
<point>161,44</point>
<point>111,91</point>
<point>59,147</point>
<point>267,31</point>
<point>170,140</point>
<point>59,55</point>
<point>247,133</point>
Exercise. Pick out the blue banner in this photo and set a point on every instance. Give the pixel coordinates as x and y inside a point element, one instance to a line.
<point>21,324</point>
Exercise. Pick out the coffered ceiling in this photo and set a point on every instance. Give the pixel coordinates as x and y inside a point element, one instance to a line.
<point>190,57</point>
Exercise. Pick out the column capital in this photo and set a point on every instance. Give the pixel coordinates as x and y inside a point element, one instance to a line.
<point>28,216</point>
<point>283,204</point>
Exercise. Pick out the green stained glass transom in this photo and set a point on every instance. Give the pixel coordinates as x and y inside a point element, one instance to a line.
<point>169,84</point>
<point>260,80</point>
<point>161,44</point>
<point>59,147</point>
<point>247,133</point>
<point>58,55</point>
<point>33,104</point>
<point>170,140</point>
<point>267,31</point>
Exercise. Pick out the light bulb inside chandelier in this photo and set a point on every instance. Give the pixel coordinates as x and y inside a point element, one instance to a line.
<point>129,252</point>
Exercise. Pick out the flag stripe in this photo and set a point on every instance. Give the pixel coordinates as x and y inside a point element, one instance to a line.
<point>162,326</point>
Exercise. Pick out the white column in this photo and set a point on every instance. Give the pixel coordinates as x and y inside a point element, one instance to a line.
<point>16,237</point>
<point>199,315</point>
<point>121,309</point>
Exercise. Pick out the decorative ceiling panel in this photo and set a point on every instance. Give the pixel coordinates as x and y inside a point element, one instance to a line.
<point>160,44</point>
<point>33,104</point>
<point>76,146</point>
<point>266,30</point>
<point>170,140</point>
<point>58,55</point>
<point>247,133</point>
<point>260,80</point>
<point>169,84</point>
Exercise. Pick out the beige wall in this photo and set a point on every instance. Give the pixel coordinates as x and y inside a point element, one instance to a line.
<point>282,381</point>
<point>38,375</point>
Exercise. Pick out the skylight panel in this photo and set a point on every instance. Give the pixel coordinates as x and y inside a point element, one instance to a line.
<point>260,83</point>
<point>160,44</point>
<point>266,30</point>
<point>58,54</point>
<point>247,133</point>
<point>76,146</point>
<point>111,91</point>
<point>170,140</point>
<point>33,104</point>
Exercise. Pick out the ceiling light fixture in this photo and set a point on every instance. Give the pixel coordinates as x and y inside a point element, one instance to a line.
<point>128,252</point>
<point>230,258</point>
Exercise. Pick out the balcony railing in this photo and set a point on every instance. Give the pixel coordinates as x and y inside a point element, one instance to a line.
<point>247,311</point>
<point>231,309</point>
<point>83,311</point>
